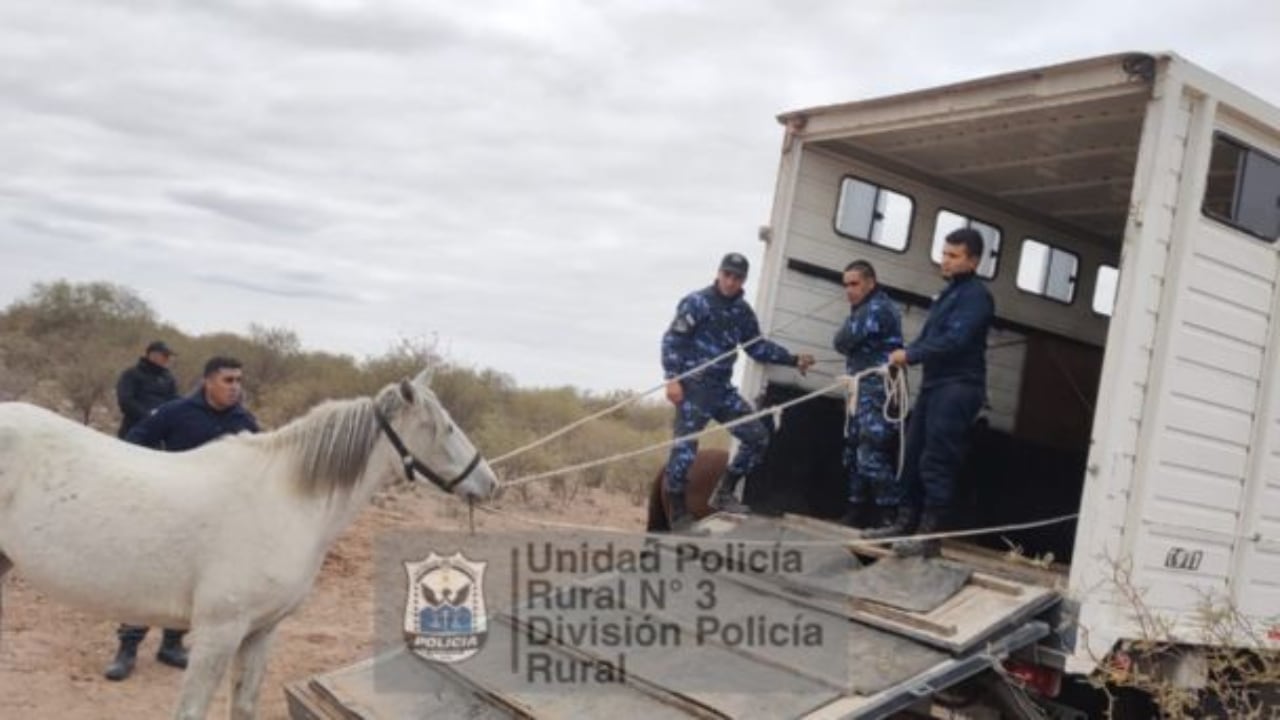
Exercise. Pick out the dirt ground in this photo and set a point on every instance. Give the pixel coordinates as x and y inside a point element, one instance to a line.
<point>52,657</point>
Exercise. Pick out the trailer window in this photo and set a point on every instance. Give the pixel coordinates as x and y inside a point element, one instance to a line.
<point>1047,270</point>
<point>1243,188</point>
<point>874,214</point>
<point>1104,290</point>
<point>948,221</point>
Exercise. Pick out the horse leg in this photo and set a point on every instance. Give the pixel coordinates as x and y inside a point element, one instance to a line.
<point>704,474</point>
<point>706,469</point>
<point>210,654</point>
<point>658,521</point>
<point>247,671</point>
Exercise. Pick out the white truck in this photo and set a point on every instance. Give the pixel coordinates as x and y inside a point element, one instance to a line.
<point>1131,208</point>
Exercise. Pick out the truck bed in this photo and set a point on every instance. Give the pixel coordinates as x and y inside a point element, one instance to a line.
<point>913,628</point>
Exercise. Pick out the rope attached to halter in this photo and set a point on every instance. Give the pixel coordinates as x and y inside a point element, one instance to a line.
<point>776,411</point>
<point>896,386</point>
<point>636,398</point>
<point>413,465</point>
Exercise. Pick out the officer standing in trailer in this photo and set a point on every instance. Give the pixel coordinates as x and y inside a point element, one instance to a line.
<point>710,323</point>
<point>872,330</point>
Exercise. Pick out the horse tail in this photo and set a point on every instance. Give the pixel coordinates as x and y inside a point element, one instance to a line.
<point>658,521</point>
<point>5,566</point>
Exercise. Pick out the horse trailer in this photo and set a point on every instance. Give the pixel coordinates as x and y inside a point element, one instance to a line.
<point>1131,207</point>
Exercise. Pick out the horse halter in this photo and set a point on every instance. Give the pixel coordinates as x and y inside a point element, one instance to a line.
<point>413,464</point>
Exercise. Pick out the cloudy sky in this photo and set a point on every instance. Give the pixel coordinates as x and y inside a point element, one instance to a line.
<point>534,183</point>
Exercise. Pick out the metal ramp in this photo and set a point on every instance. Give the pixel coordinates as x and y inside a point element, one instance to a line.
<point>897,647</point>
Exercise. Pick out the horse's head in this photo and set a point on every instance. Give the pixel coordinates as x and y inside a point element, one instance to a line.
<point>429,442</point>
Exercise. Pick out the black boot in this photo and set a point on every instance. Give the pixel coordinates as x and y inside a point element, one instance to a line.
<point>171,652</point>
<point>904,522</point>
<point>723,499</point>
<point>678,516</point>
<point>883,515</point>
<point>126,658</point>
<point>856,516</point>
<point>930,522</point>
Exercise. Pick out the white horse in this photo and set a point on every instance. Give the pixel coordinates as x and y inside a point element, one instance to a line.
<point>227,538</point>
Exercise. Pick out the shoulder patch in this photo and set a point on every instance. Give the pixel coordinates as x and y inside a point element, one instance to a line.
<point>683,324</point>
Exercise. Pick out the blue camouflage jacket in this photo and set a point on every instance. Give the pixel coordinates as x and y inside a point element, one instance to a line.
<point>872,331</point>
<point>953,342</point>
<point>189,422</point>
<point>708,324</point>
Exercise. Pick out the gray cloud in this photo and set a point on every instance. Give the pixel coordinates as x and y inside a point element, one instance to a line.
<point>253,208</point>
<point>288,285</point>
<point>535,184</point>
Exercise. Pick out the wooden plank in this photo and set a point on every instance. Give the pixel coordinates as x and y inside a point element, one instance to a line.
<point>306,704</point>
<point>838,709</point>
<point>971,615</point>
<point>992,564</point>
<point>991,583</point>
<point>398,684</point>
<point>656,683</point>
<point>915,620</point>
<point>999,564</point>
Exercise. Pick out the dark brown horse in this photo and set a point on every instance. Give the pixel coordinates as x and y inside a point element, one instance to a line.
<point>708,465</point>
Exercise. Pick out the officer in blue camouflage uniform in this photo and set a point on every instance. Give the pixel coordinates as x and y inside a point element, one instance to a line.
<point>872,331</point>
<point>709,323</point>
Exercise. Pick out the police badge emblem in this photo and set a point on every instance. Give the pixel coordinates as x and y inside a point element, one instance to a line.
<point>444,613</point>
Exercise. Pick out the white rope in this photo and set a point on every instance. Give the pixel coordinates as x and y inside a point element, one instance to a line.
<point>618,405</point>
<point>897,391</point>
<point>636,398</point>
<point>774,410</point>
<point>851,542</point>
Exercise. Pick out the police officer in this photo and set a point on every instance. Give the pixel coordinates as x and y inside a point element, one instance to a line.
<point>872,330</point>
<point>952,347</point>
<point>212,411</point>
<point>145,386</point>
<point>709,323</point>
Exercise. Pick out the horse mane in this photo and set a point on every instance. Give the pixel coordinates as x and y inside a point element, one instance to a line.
<point>333,441</point>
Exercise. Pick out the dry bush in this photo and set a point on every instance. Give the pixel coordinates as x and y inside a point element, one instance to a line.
<point>15,383</point>
<point>1230,652</point>
<point>65,344</point>
<point>565,488</point>
<point>79,335</point>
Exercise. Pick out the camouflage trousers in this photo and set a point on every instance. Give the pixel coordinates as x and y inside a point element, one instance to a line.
<point>870,449</point>
<point>706,402</point>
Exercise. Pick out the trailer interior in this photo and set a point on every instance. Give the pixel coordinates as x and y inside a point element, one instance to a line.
<point>1047,176</point>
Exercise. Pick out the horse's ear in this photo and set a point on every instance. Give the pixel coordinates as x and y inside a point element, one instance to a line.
<point>407,391</point>
<point>424,377</point>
